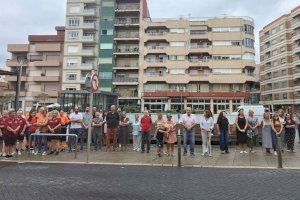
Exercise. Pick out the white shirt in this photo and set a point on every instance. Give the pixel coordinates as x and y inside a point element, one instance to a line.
<point>74,116</point>
<point>207,124</point>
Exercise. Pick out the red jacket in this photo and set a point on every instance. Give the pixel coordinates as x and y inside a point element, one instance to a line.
<point>146,122</point>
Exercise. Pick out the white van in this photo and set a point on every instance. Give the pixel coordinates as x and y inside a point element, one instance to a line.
<point>257,109</point>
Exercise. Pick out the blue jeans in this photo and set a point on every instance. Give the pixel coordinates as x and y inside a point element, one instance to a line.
<point>189,136</point>
<point>146,138</point>
<point>97,138</point>
<point>42,143</point>
<point>72,140</point>
<point>274,140</point>
<point>224,140</point>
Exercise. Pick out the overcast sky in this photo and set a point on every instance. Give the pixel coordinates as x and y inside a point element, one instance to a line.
<point>19,18</point>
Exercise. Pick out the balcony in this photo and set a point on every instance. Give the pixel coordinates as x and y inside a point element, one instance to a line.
<point>17,48</point>
<point>43,78</point>
<point>87,66</point>
<point>295,23</point>
<point>89,25</point>
<point>155,49</point>
<point>125,81</point>
<point>127,22</point>
<point>14,78</point>
<point>89,12</point>
<point>127,36</point>
<point>296,60</point>
<point>14,63</point>
<point>48,63</point>
<point>88,52</point>
<point>88,38</point>
<point>127,51</point>
<point>296,48</point>
<point>296,36</point>
<point>128,8</point>
<point>127,66</point>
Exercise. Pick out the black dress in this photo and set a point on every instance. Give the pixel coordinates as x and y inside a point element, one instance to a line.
<point>241,136</point>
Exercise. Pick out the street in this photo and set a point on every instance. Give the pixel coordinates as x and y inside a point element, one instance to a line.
<point>71,182</point>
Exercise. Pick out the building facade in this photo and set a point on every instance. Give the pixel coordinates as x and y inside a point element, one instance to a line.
<point>40,63</point>
<point>280,61</point>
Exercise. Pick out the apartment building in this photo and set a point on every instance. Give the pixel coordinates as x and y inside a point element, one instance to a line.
<point>200,63</point>
<point>159,64</point>
<point>40,62</point>
<point>280,55</point>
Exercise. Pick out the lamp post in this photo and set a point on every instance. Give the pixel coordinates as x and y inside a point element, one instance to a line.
<point>18,85</point>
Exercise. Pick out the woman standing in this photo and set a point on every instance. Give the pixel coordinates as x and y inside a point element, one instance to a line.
<point>223,125</point>
<point>124,132</point>
<point>277,128</point>
<point>266,125</point>
<point>170,135</point>
<point>136,133</point>
<point>241,127</point>
<point>54,126</point>
<point>159,134</point>
<point>42,123</point>
<point>207,126</point>
<point>290,132</point>
<point>32,127</point>
<point>252,132</point>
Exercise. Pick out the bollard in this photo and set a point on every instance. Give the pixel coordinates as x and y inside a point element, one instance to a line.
<point>279,154</point>
<point>179,149</point>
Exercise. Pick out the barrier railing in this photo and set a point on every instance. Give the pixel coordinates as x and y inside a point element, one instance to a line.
<point>53,135</point>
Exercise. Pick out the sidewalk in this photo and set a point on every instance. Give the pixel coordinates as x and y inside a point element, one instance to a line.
<point>234,159</point>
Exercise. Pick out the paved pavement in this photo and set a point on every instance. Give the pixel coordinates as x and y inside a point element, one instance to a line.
<point>259,159</point>
<point>72,182</point>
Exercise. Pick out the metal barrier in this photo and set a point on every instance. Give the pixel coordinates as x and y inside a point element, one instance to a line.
<point>51,134</point>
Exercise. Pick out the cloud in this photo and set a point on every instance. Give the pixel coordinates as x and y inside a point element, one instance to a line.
<point>19,18</point>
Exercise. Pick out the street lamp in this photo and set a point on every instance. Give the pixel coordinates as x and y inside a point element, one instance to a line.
<point>18,85</point>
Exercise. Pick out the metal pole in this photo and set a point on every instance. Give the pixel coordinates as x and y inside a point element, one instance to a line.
<point>279,154</point>
<point>76,143</point>
<point>18,86</point>
<point>179,148</point>
<point>89,129</point>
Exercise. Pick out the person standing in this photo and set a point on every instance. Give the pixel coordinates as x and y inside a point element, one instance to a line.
<point>170,137</point>
<point>281,115</point>
<point>3,130</point>
<point>20,135</point>
<point>207,126</point>
<point>252,131</point>
<point>54,126</point>
<point>112,120</point>
<point>290,133</point>
<point>223,125</point>
<point>75,128</point>
<point>32,127</point>
<point>124,131</point>
<point>241,128</point>
<point>42,123</point>
<point>146,122</point>
<point>136,133</point>
<point>277,128</point>
<point>12,127</point>
<point>86,121</point>
<point>159,134</point>
<point>64,120</point>
<point>188,120</point>
<point>97,131</point>
<point>266,125</point>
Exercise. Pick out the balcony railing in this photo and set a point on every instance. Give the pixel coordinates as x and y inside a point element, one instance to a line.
<point>131,21</point>
<point>157,33</point>
<point>90,25</point>
<point>125,80</point>
<point>156,47</point>
<point>89,11</point>
<point>127,7</point>
<point>157,60</point>
<point>127,35</point>
<point>198,60</point>
<point>198,46</point>
<point>127,65</point>
<point>128,50</point>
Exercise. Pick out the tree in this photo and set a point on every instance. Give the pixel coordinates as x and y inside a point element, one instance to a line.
<point>42,98</point>
<point>4,101</point>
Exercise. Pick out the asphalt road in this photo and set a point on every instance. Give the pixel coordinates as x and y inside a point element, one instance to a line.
<point>72,182</point>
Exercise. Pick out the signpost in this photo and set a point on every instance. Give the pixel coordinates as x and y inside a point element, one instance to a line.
<point>92,83</point>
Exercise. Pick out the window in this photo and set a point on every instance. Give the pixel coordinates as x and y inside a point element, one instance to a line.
<point>273,31</point>
<point>71,77</point>
<point>247,42</point>
<point>221,71</point>
<point>284,95</point>
<point>281,27</point>
<point>72,62</point>
<point>282,49</point>
<point>105,75</point>
<point>107,32</point>
<point>107,18</point>
<point>177,57</point>
<point>284,84</point>
<point>73,35</point>
<point>177,71</point>
<point>108,3</point>
<point>74,22</point>
<point>105,60</point>
<point>235,43</point>
<point>248,56</point>
<point>177,44</point>
<point>106,46</point>
<point>248,29</point>
<point>74,9</point>
<point>283,72</point>
<point>71,89</point>
<point>177,30</point>
<point>282,38</point>
<point>283,61</point>
<point>73,49</point>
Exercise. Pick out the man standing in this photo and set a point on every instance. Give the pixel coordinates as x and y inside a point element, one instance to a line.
<point>3,120</point>
<point>112,120</point>
<point>42,123</point>
<point>145,129</point>
<point>75,128</point>
<point>12,127</point>
<point>86,120</point>
<point>188,121</point>
<point>97,130</point>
